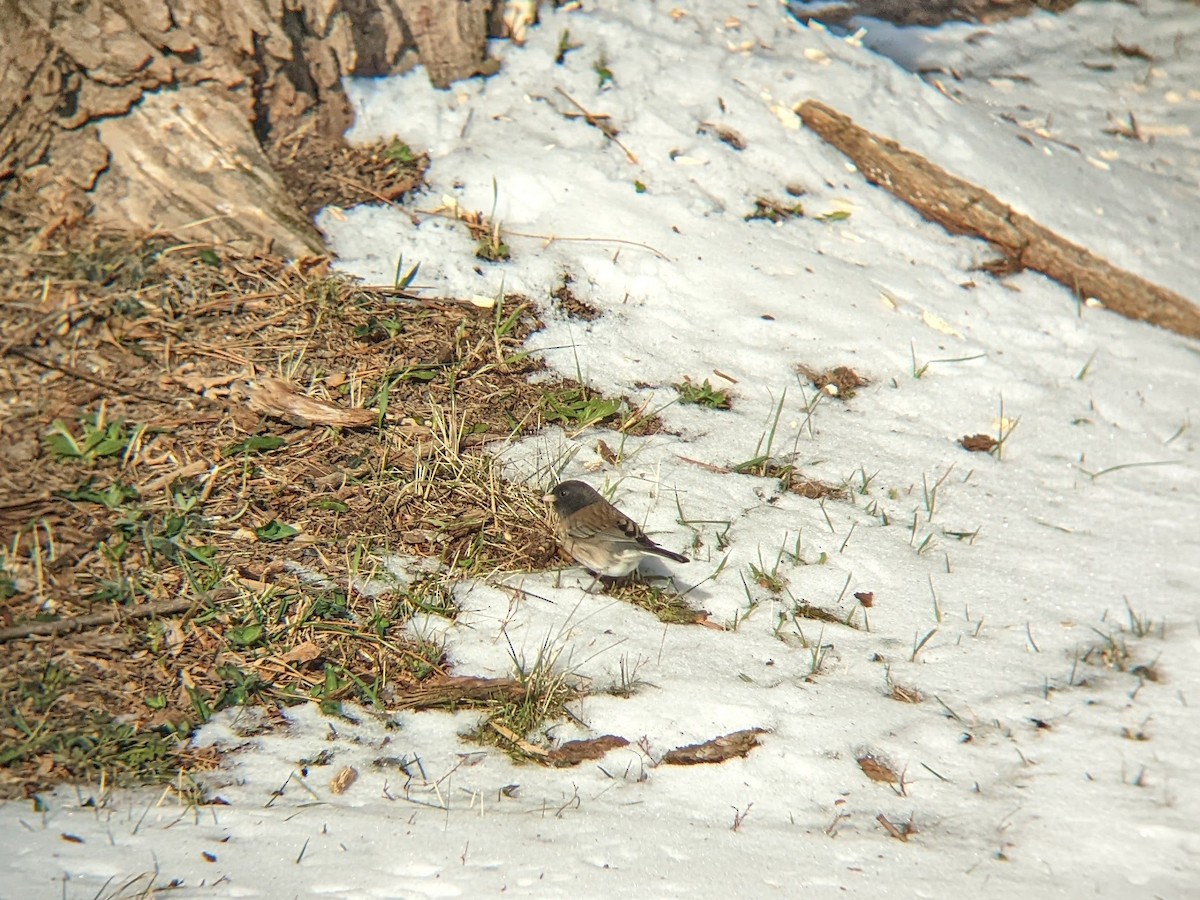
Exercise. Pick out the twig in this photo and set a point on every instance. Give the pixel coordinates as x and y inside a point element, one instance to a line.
<point>90,379</point>
<point>598,122</point>
<point>891,829</point>
<point>460,690</point>
<point>548,238</point>
<point>710,467</point>
<point>1009,117</point>
<point>78,623</point>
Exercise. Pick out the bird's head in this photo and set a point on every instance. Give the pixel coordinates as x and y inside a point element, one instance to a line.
<point>571,496</point>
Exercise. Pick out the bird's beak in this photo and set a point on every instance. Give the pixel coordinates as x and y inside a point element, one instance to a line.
<point>547,498</point>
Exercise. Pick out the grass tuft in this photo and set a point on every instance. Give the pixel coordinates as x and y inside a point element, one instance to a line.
<point>661,600</point>
<point>544,688</point>
<point>703,394</point>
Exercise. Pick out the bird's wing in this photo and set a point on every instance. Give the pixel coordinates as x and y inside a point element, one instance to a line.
<point>604,521</point>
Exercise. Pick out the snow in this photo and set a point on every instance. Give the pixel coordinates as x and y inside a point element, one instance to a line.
<point>1023,769</point>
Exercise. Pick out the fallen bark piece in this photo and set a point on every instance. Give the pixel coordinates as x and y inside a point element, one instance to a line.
<point>572,753</point>
<point>277,398</point>
<point>719,749</point>
<point>964,208</point>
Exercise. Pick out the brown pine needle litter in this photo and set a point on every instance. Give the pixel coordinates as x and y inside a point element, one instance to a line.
<point>239,441</point>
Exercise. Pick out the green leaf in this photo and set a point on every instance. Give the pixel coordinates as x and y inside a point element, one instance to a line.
<point>256,443</point>
<point>209,258</point>
<point>419,374</point>
<point>398,151</point>
<point>61,442</point>
<point>332,505</point>
<point>245,635</point>
<point>402,282</point>
<point>205,554</point>
<point>112,497</point>
<point>836,216</point>
<point>107,441</point>
<point>276,531</point>
<point>702,394</point>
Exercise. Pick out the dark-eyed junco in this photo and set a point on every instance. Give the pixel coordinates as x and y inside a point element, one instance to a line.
<point>597,535</point>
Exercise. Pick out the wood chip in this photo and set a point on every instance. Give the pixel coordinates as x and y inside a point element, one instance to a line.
<point>342,780</point>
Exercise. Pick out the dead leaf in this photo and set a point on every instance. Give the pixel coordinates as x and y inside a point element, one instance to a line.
<point>719,749</point>
<point>727,135</point>
<point>877,769</point>
<point>572,753</point>
<point>202,384</point>
<point>841,382</point>
<point>301,653</point>
<point>606,453</point>
<point>278,398</point>
<point>978,443</point>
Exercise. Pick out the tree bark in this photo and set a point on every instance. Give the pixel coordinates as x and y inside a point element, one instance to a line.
<point>161,115</point>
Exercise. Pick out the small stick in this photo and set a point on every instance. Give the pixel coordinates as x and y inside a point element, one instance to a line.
<point>78,623</point>
<point>891,829</point>
<point>90,379</point>
<point>598,122</point>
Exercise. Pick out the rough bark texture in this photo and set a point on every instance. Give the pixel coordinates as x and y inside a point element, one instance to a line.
<point>161,114</point>
<point>445,42</point>
<point>964,208</point>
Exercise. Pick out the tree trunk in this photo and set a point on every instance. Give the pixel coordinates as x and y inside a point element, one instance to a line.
<point>162,115</point>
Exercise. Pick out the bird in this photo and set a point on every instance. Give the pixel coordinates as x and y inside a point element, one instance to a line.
<point>597,535</point>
